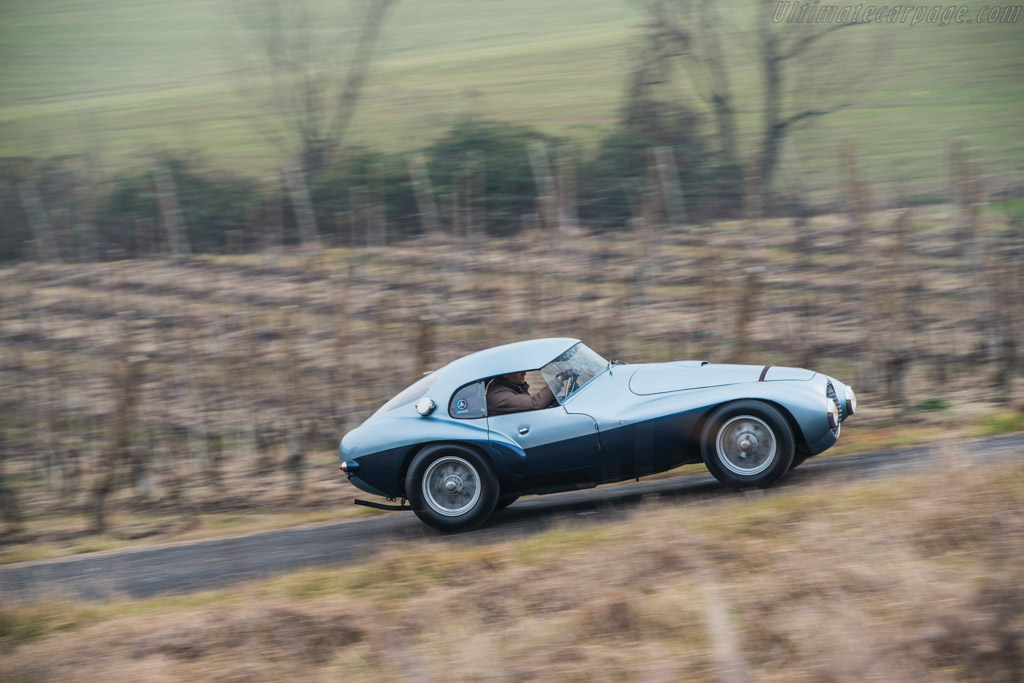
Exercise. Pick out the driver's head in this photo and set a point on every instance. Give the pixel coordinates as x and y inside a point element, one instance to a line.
<point>516,377</point>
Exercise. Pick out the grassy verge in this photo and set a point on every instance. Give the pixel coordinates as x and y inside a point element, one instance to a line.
<point>916,576</point>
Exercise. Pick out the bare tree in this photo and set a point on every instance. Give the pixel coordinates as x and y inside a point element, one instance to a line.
<point>746,309</point>
<point>307,72</point>
<point>9,510</point>
<point>790,55</point>
<point>1005,260</point>
<point>122,426</point>
<point>893,298</point>
<point>692,31</point>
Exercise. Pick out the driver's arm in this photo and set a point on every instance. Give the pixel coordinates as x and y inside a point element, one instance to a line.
<point>542,399</point>
<point>500,402</point>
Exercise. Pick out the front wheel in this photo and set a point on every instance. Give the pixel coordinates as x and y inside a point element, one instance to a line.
<point>747,443</point>
<point>451,487</point>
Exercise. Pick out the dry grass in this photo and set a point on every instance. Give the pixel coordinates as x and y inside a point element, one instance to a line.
<point>912,579</point>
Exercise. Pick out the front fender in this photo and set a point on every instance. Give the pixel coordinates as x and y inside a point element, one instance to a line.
<point>803,401</point>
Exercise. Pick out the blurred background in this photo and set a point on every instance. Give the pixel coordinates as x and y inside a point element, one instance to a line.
<point>229,231</point>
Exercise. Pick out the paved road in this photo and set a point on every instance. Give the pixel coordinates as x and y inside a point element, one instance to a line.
<point>185,567</point>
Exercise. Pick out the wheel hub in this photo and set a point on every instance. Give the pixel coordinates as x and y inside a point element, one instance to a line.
<point>747,443</point>
<point>451,486</point>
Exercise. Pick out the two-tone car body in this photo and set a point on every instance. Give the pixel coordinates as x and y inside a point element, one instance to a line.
<point>435,444</point>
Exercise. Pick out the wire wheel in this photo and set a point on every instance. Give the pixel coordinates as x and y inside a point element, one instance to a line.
<point>451,486</point>
<point>746,445</point>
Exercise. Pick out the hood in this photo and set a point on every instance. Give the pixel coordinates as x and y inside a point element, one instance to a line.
<point>659,378</point>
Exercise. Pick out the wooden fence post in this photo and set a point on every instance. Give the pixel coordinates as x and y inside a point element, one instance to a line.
<point>170,212</point>
<point>304,215</point>
<point>424,195</point>
<point>39,221</point>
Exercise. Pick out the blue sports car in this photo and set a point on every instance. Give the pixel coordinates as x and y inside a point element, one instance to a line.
<point>470,438</point>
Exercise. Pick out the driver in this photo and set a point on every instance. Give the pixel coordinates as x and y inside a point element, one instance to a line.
<point>510,393</point>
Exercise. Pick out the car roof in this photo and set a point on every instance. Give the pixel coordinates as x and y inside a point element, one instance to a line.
<point>500,360</point>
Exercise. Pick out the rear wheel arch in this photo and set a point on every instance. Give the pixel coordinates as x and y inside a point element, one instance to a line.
<point>451,486</point>
<point>415,450</point>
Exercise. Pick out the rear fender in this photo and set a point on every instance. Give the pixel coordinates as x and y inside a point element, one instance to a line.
<point>501,471</point>
<point>385,448</point>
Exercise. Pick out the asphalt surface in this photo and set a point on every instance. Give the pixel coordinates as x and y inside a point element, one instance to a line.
<point>202,565</point>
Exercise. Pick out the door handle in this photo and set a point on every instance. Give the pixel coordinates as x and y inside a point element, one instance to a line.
<point>523,431</point>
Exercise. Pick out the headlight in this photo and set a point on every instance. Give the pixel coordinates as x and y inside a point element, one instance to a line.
<point>425,406</point>
<point>833,413</point>
<point>851,401</point>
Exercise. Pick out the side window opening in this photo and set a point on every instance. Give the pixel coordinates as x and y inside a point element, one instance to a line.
<point>533,378</point>
<point>469,402</point>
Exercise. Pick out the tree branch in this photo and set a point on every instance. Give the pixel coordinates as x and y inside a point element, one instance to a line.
<point>801,45</point>
<point>358,68</point>
<point>789,121</point>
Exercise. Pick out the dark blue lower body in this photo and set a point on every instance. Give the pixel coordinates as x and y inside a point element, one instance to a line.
<point>626,452</point>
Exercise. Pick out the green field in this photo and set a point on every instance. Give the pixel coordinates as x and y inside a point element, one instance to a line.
<point>124,78</point>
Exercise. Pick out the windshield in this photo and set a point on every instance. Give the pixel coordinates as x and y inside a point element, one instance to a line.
<point>411,393</point>
<point>581,360</point>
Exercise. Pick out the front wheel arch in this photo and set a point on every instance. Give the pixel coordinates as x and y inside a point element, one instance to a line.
<point>773,442</point>
<point>799,442</point>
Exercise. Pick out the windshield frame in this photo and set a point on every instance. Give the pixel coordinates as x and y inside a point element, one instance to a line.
<point>565,358</point>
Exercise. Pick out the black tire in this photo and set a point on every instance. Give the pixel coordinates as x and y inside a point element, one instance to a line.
<point>747,443</point>
<point>505,500</point>
<point>451,487</point>
<point>798,460</point>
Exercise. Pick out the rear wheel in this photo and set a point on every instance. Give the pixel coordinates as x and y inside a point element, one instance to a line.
<point>451,487</point>
<point>747,443</point>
